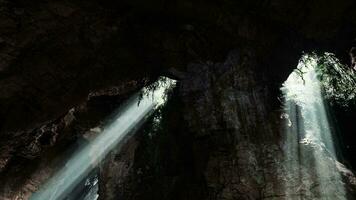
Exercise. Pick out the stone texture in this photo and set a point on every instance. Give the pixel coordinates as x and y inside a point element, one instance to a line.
<point>56,54</point>
<point>244,140</point>
<point>235,145</point>
<point>52,52</point>
<point>28,160</point>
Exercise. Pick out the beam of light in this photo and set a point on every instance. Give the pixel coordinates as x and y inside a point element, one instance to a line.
<point>310,155</point>
<point>82,162</point>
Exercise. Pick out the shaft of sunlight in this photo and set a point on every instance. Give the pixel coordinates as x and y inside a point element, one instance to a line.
<point>310,159</point>
<point>134,111</point>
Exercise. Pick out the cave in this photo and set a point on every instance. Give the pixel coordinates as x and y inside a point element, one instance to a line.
<point>177,100</point>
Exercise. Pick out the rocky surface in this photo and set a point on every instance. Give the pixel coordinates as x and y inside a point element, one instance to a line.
<point>233,114</point>
<point>235,146</point>
<point>157,163</point>
<point>56,54</point>
<point>34,156</point>
<point>52,52</point>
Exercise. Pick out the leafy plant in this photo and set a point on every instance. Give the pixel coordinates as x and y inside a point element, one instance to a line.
<point>337,80</point>
<point>161,82</point>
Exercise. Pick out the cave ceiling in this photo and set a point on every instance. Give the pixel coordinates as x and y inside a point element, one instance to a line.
<point>54,53</point>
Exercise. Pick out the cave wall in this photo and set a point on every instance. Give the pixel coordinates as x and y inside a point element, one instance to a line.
<point>230,143</point>
<point>55,54</point>
<point>156,163</point>
<point>31,158</point>
<point>237,128</point>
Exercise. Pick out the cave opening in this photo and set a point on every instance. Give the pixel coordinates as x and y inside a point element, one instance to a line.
<point>75,124</point>
<point>313,154</point>
<point>79,175</point>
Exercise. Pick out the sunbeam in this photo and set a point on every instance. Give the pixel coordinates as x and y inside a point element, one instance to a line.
<point>87,158</point>
<point>310,154</point>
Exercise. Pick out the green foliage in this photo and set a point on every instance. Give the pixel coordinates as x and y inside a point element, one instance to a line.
<point>338,81</point>
<point>159,83</point>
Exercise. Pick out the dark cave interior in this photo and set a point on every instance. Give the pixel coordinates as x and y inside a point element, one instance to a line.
<point>70,70</point>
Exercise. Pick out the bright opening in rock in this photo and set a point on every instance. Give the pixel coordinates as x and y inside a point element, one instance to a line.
<point>79,175</point>
<point>310,148</point>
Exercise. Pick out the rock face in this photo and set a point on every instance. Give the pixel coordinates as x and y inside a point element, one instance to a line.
<point>158,161</point>
<point>34,157</point>
<point>229,109</point>
<point>233,111</point>
<point>56,54</point>
<point>236,146</point>
<point>52,53</point>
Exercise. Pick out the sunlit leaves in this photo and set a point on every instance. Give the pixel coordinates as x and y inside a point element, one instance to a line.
<point>338,82</point>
